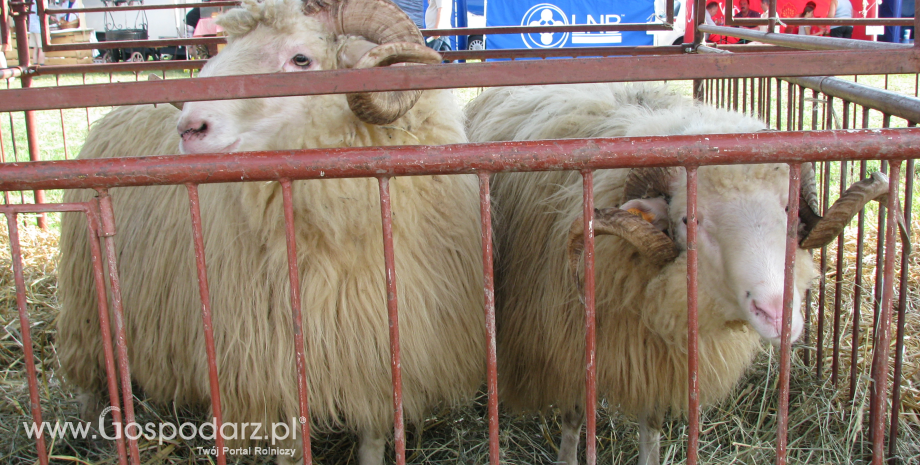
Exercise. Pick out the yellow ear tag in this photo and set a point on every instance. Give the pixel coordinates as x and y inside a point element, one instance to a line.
<point>641,214</point>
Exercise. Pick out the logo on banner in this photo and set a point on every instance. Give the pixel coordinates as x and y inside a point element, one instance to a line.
<point>545,14</point>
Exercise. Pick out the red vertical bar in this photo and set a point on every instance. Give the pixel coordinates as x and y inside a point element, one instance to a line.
<point>105,328</point>
<point>590,320</point>
<point>287,194</point>
<point>57,81</point>
<point>838,284</point>
<point>20,14</point>
<point>785,359</point>
<point>902,310</point>
<point>857,290</point>
<point>205,293</point>
<point>822,283</point>
<point>87,108</point>
<point>883,331</point>
<point>693,351</point>
<point>877,299</point>
<point>485,215</point>
<point>6,194</point>
<point>45,27</point>
<point>25,328</point>
<point>399,431</point>
<point>789,106</point>
<point>765,97</point>
<point>107,214</point>
<point>744,92</point>
<point>779,105</point>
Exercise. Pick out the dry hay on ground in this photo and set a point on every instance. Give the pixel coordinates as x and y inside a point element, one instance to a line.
<point>825,427</point>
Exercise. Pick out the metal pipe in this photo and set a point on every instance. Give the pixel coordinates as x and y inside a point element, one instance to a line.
<point>105,328</point>
<point>107,220</point>
<point>5,37</point>
<point>9,73</point>
<point>693,351</point>
<point>20,14</point>
<point>569,154</point>
<point>838,283</point>
<point>590,320</point>
<point>168,6</point>
<point>748,22</point>
<point>287,195</point>
<point>857,289</point>
<point>551,29</point>
<point>785,358</point>
<point>205,294</point>
<point>171,65</point>
<point>801,42</point>
<point>386,215</point>
<point>28,356</point>
<point>488,276</point>
<point>134,44</point>
<point>892,103</point>
<point>445,76</point>
<point>883,334</point>
<point>902,314</point>
<point>561,52</point>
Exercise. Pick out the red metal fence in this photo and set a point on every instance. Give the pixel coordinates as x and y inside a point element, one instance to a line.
<point>746,82</point>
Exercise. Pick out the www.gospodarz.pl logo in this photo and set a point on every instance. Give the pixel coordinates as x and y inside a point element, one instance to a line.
<point>167,431</point>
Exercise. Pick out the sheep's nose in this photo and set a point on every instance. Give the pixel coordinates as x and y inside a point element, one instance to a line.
<point>192,128</point>
<point>770,310</point>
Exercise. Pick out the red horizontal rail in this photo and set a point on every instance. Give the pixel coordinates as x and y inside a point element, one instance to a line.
<point>543,155</point>
<point>612,69</point>
<point>561,52</point>
<point>127,67</point>
<point>463,31</point>
<point>134,44</point>
<point>824,21</point>
<point>168,6</point>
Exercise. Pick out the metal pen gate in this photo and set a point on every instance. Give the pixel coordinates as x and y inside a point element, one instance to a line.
<point>744,81</point>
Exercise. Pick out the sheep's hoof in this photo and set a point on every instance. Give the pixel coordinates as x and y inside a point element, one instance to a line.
<point>91,406</point>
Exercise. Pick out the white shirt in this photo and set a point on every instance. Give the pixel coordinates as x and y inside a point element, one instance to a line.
<point>433,20</point>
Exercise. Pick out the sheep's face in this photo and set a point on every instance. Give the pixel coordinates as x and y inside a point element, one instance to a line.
<point>271,38</point>
<point>275,36</point>
<point>741,213</point>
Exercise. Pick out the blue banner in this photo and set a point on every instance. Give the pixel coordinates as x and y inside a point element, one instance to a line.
<point>537,13</point>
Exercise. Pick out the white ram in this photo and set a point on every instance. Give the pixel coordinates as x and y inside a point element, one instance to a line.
<point>339,240</point>
<point>641,288</point>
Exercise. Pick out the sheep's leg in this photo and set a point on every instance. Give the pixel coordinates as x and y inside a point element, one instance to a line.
<point>649,438</point>
<point>571,433</point>
<point>371,446</point>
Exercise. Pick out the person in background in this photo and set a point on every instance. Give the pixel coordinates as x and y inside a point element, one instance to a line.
<point>841,9</point>
<point>35,37</point>
<point>809,12</point>
<point>191,21</point>
<point>712,9</point>
<point>746,11</point>
<point>765,6</point>
<point>437,16</point>
<point>415,9</point>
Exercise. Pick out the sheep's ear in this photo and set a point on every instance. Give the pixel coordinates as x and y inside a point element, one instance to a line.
<point>352,51</point>
<point>653,210</point>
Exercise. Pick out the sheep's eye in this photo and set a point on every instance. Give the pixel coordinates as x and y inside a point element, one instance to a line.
<point>787,208</point>
<point>301,60</point>
<point>685,220</point>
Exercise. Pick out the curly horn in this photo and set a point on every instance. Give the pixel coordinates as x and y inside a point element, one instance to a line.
<point>381,22</point>
<point>653,244</point>
<point>848,205</point>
